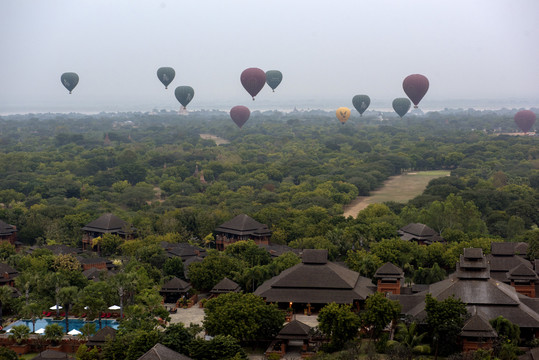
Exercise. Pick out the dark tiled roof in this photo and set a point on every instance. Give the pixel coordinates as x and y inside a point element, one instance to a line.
<point>5,268</point>
<point>225,286</point>
<point>316,283</point>
<point>161,352</point>
<point>93,260</point>
<point>311,256</point>
<point>243,225</point>
<point>478,327</point>
<point>506,262</point>
<point>294,330</point>
<point>532,354</point>
<point>388,270</point>
<point>522,273</point>
<point>63,249</point>
<point>101,336</point>
<point>94,273</point>
<point>277,250</point>
<point>489,296</point>
<point>108,223</point>
<point>473,253</point>
<point>175,285</point>
<point>51,354</point>
<point>6,229</point>
<point>418,229</point>
<point>508,248</point>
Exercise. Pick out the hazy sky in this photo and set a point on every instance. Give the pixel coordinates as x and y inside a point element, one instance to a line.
<point>328,51</point>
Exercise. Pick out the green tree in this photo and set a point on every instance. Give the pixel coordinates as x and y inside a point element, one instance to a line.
<point>83,353</point>
<point>68,296</point>
<point>8,354</point>
<point>177,337</point>
<point>507,331</point>
<point>410,340</point>
<point>215,267</point>
<point>33,310</point>
<point>6,293</point>
<point>339,324</point>
<point>221,347</point>
<point>54,333</point>
<point>379,312</point>
<point>363,262</point>
<point>19,333</point>
<point>246,317</point>
<point>174,267</point>
<point>444,320</point>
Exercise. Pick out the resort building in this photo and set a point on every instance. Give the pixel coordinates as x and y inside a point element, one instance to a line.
<point>106,224</point>
<point>242,227</point>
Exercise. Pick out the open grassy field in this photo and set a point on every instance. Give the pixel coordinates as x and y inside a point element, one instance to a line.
<point>398,188</point>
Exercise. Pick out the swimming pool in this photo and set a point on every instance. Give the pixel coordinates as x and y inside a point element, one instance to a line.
<point>73,323</point>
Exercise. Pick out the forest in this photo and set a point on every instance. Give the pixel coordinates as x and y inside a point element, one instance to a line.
<point>292,171</point>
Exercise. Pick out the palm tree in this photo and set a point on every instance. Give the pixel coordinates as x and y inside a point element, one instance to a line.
<point>19,333</point>
<point>6,293</point>
<point>54,333</point>
<point>409,339</point>
<point>67,296</point>
<point>33,310</point>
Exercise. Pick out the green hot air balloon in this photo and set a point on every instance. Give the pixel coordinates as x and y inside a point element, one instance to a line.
<point>69,80</point>
<point>361,103</point>
<point>273,78</point>
<point>166,75</point>
<point>401,106</point>
<point>184,94</point>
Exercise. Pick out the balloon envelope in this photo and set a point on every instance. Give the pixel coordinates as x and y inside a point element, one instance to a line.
<point>525,120</point>
<point>240,114</point>
<point>253,80</point>
<point>343,113</point>
<point>273,78</point>
<point>184,94</point>
<point>415,86</point>
<point>401,106</point>
<point>69,80</point>
<point>166,75</point>
<point>361,103</point>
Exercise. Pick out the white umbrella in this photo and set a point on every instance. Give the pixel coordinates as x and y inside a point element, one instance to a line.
<point>74,332</point>
<point>40,331</point>
<point>114,307</point>
<point>8,330</point>
<point>55,307</point>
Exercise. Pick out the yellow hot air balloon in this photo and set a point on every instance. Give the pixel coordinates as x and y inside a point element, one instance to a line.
<point>343,113</point>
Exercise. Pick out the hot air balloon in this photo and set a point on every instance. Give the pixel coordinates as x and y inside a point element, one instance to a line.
<point>273,78</point>
<point>415,86</point>
<point>343,113</point>
<point>240,114</point>
<point>525,120</point>
<point>401,106</point>
<point>253,80</point>
<point>166,75</point>
<point>361,103</point>
<point>69,80</point>
<point>184,94</point>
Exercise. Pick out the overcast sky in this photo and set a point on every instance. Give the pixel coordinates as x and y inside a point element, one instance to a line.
<point>328,51</point>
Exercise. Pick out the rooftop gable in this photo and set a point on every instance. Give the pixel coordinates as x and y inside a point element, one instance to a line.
<point>107,223</point>
<point>161,352</point>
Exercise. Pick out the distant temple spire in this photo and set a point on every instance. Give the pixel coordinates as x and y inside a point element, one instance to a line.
<point>107,140</point>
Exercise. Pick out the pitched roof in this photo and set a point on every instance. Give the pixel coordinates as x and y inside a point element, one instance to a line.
<point>175,285</point>
<point>276,250</point>
<point>51,354</point>
<point>508,248</point>
<point>101,336</point>
<point>522,273</point>
<point>294,330</point>
<point>478,326</point>
<point>388,270</point>
<point>161,352</point>
<point>108,223</point>
<point>418,229</point>
<point>5,268</point>
<point>243,225</point>
<point>316,283</point>
<point>488,295</point>
<point>312,256</point>
<point>6,229</point>
<point>225,286</point>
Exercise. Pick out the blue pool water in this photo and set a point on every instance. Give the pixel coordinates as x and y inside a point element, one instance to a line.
<point>73,323</point>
